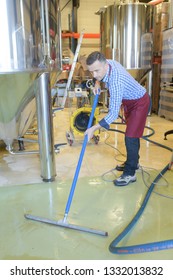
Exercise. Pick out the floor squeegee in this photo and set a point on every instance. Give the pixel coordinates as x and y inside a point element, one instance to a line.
<point>64,223</point>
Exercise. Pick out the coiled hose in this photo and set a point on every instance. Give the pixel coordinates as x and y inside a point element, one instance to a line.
<point>148,247</point>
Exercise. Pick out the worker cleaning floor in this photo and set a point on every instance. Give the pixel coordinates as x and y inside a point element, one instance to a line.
<point>97,203</point>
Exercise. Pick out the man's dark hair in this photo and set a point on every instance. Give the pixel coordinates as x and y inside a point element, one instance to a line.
<point>95,56</point>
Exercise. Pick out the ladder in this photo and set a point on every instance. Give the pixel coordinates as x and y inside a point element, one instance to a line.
<point>72,70</point>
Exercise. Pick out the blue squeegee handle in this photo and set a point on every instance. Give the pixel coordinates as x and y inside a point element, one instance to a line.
<point>81,156</point>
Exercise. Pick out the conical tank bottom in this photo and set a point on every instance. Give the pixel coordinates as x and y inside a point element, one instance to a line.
<point>17,102</point>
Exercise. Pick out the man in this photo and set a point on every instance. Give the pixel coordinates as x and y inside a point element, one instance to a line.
<point>123,90</point>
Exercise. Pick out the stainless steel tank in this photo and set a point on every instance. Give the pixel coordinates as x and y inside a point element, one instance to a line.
<point>109,24</point>
<point>30,62</point>
<point>160,23</point>
<point>30,36</point>
<point>132,28</point>
<point>126,35</point>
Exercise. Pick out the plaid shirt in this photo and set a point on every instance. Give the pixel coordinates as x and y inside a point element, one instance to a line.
<point>121,85</point>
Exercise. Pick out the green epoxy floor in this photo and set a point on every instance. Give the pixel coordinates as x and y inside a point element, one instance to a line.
<point>97,203</point>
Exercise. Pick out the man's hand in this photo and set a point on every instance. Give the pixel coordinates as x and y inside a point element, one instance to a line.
<point>90,131</point>
<point>97,88</point>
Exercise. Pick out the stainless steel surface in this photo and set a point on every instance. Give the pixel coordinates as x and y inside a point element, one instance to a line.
<point>125,35</point>
<point>29,32</point>
<point>45,128</point>
<point>132,27</point>
<point>31,36</point>
<point>10,149</point>
<point>17,104</point>
<point>171,14</point>
<point>109,24</point>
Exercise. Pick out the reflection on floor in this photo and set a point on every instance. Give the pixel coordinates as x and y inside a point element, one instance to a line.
<point>97,203</point>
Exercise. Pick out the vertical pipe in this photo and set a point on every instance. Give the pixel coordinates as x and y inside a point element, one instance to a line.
<point>47,28</point>
<point>59,32</point>
<point>43,27</point>
<point>23,32</point>
<point>74,28</point>
<point>45,129</point>
<point>171,14</point>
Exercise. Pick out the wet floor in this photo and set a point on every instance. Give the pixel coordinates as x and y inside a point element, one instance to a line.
<point>96,204</point>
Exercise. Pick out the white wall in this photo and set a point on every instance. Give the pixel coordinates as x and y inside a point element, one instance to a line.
<point>87,21</point>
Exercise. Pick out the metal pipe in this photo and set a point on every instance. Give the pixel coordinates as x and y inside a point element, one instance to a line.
<point>43,27</point>
<point>13,152</point>
<point>171,14</point>
<point>60,37</point>
<point>9,148</point>
<point>27,140</point>
<point>45,129</point>
<point>47,28</point>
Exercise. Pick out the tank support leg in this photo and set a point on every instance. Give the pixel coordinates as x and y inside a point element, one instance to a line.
<point>45,128</point>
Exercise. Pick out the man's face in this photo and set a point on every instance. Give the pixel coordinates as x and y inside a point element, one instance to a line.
<point>98,69</point>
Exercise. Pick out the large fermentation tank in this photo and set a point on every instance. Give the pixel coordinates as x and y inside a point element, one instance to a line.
<point>126,35</point>
<point>166,93</point>
<point>30,61</point>
<point>30,35</point>
<point>166,74</point>
<point>160,23</point>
